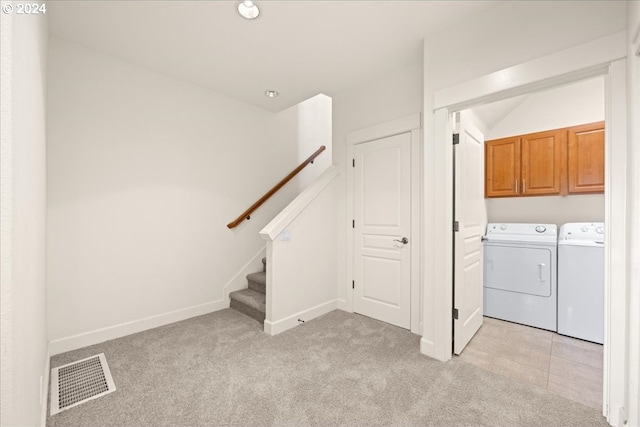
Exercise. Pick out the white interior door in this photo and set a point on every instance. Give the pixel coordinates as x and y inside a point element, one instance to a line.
<point>382,227</point>
<point>470,213</point>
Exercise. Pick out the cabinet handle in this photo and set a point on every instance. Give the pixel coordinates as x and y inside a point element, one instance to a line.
<point>524,186</point>
<point>516,186</point>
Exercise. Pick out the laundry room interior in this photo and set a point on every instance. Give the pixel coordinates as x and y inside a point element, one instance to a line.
<point>546,329</point>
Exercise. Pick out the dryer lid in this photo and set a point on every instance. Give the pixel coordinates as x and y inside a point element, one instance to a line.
<point>519,232</point>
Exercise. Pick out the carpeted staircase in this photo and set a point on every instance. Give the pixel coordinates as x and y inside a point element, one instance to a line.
<point>252,301</point>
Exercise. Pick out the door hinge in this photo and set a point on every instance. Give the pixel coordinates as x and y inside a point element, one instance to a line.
<point>353,223</point>
<point>456,226</point>
<point>353,284</point>
<point>456,138</point>
<point>455,314</point>
<point>353,163</point>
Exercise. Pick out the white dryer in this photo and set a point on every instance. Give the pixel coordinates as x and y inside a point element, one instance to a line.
<point>520,273</point>
<point>581,281</point>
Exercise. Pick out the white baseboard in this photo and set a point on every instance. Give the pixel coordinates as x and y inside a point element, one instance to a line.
<point>417,330</point>
<point>239,281</point>
<point>274,328</point>
<point>342,305</point>
<point>427,348</point>
<point>100,335</point>
<point>44,392</point>
<point>619,417</point>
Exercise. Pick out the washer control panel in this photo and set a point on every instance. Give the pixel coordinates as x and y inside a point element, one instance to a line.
<point>586,231</point>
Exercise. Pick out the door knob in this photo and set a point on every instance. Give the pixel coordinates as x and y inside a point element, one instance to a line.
<point>404,240</point>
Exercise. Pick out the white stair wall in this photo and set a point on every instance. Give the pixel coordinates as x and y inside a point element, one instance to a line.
<point>301,256</point>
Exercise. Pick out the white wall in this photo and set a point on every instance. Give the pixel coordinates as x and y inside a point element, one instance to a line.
<point>301,269</point>
<point>569,105</point>
<point>512,32</point>
<point>547,209</point>
<point>476,121</point>
<point>566,106</point>
<point>392,96</point>
<point>22,220</point>
<point>308,126</point>
<point>144,173</point>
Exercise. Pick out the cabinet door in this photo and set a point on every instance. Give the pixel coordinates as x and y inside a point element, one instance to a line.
<point>586,158</point>
<point>502,167</point>
<point>543,162</point>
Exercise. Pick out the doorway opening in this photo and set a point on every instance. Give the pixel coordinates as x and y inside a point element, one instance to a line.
<point>530,349</point>
<point>601,57</point>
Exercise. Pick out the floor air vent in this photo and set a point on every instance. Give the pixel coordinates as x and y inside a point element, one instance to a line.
<point>79,382</point>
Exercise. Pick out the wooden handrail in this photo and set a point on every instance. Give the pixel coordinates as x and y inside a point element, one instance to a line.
<point>247,214</point>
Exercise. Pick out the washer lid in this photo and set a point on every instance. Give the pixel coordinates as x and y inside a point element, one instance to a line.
<point>518,232</point>
<point>582,232</point>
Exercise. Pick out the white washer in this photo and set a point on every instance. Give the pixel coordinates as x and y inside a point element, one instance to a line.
<point>520,273</point>
<point>581,281</point>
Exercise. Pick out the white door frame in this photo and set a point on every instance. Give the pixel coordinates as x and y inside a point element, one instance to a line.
<point>409,124</point>
<point>604,56</point>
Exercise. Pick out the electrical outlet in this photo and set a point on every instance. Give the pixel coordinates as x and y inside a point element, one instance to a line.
<point>286,235</point>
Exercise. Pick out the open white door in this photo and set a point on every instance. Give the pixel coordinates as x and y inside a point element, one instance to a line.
<point>382,227</point>
<point>471,216</point>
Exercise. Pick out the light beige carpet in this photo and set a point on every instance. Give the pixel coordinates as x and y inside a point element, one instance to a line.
<point>339,369</point>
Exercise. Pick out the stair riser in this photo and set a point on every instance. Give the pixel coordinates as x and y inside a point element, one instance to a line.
<point>251,301</point>
<point>249,311</point>
<point>258,287</point>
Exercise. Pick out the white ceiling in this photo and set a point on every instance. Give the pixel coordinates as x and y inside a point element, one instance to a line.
<point>299,48</point>
<point>492,114</point>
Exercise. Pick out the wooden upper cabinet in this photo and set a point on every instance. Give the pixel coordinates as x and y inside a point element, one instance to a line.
<point>586,158</point>
<point>542,162</point>
<point>555,162</point>
<point>502,167</point>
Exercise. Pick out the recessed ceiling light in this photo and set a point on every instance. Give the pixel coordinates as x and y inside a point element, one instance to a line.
<point>271,93</point>
<point>247,9</point>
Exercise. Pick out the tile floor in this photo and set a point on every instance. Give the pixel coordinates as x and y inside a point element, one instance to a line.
<point>569,367</point>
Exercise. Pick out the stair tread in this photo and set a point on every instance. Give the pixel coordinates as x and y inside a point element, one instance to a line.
<point>251,298</point>
<point>259,277</point>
